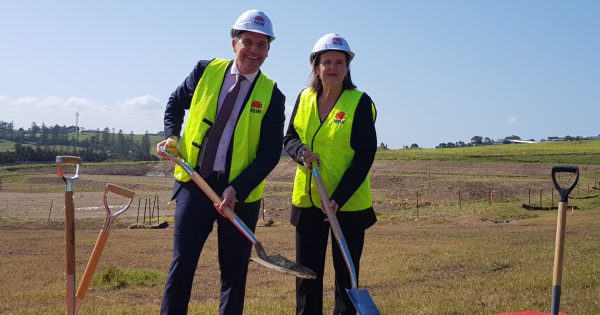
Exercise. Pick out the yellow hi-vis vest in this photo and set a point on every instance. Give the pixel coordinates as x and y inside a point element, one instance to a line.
<point>331,141</point>
<point>203,111</point>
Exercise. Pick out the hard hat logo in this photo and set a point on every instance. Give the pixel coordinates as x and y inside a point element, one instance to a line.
<point>259,21</point>
<point>336,41</point>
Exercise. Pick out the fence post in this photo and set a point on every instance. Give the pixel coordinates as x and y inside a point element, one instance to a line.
<point>51,202</point>
<point>145,205</point>
<point>529,189</point>
<point>540,197</point>
<point>153,206</point>
<point>417,202</point>
<point>459,200</point>
<point>137,219</point>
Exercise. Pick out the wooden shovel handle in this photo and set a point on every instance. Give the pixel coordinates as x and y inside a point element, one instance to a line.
<point>90,269</point>
<point>211,194</point>
<point>68,159</point>
<point>70,250</point>
<point>335,227</point>
<point>119,190</point>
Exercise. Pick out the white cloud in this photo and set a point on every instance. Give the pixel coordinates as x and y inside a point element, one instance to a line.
<point>137,114</point>
<point>141,103</point>
<point>54,103</point>
<point>512,120</point>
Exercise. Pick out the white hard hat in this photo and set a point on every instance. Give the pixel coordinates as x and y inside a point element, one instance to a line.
<point>254,21</point>
<point>331,41</point>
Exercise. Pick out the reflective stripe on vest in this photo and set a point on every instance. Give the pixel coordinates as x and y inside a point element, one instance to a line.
<point>331,141</point>
<point>246,136</point>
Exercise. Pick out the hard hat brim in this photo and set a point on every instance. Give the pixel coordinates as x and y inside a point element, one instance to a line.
<point>314,54</point>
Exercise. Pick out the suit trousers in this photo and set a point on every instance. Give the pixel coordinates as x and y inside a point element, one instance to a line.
<point>194,219</point>
<point>312,233</point>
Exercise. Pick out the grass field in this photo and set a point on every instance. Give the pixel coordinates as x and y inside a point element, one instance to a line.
<point>482,256</point>
<point>568,152</point>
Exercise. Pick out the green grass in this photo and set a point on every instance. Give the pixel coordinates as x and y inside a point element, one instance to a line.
<point>566,152</point>
<point>114,278</point>
<point>6,145</point>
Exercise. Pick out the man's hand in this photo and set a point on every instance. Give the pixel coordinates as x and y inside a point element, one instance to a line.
<point>169,144</point>
<point>228,201</point>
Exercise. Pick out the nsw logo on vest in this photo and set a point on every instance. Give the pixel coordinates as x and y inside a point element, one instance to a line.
<point>256,107</point>
<point>339,118</point>
<point>259,21</point>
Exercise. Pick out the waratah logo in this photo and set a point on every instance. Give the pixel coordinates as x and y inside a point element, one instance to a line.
<point>259,20</point>
<point>256,107</point>
<point>337,41</point>
<point>340,118</point>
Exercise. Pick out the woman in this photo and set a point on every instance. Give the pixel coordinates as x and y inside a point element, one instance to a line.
<point>333,126</point>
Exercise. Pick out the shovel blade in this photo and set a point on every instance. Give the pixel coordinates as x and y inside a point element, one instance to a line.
<point>363,302</point>
<point>284,265</point>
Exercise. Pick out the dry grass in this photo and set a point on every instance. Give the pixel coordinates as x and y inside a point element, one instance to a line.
<point>418,267</point>
<point>480,259</point>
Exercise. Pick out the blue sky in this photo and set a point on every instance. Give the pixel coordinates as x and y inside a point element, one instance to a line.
<point>438,71</point>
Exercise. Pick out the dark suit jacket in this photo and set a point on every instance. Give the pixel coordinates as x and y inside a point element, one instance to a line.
<point>271,135</point>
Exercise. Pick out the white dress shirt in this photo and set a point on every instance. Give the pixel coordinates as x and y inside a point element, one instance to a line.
<point>230,78</point>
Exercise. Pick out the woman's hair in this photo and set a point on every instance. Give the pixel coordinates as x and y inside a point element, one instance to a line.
<point>315,82</point>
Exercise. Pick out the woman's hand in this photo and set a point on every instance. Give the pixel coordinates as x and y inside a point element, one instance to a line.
<point>332,206</point>
<point>307,157</point>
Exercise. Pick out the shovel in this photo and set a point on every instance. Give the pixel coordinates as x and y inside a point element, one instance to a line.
<point>560,231</point>
<point>560,238</point>
<point>275,262</point>
<point>69,225</point>
<point>101,241</point>
<point>361,299</point>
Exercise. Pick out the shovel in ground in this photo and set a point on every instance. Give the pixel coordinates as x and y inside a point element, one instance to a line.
<point>560,238</point>
<point>69,225</point>
<point>560,231</point>
<point>275,262</point>
<point>361,299</point>
<point>101,241</point>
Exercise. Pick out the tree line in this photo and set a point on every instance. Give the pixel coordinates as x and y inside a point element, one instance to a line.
<point>44,143</point>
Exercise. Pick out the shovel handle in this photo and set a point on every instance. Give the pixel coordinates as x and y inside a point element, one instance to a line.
<point>212,195</point>
<point>92,264</point>
<point>70,250</point>
<point>559,246</point>
<point>564,192</point>
<point>560,232</point>
<point>335,226</point>
<point>70,160</point>
<point>90,269</point>
<point>119,191</point>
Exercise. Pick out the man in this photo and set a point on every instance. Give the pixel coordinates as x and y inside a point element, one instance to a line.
<point>233,138</point>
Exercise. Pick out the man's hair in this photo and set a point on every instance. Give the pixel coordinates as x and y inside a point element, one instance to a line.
<point>315,82</point>
<point>237,34</point>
